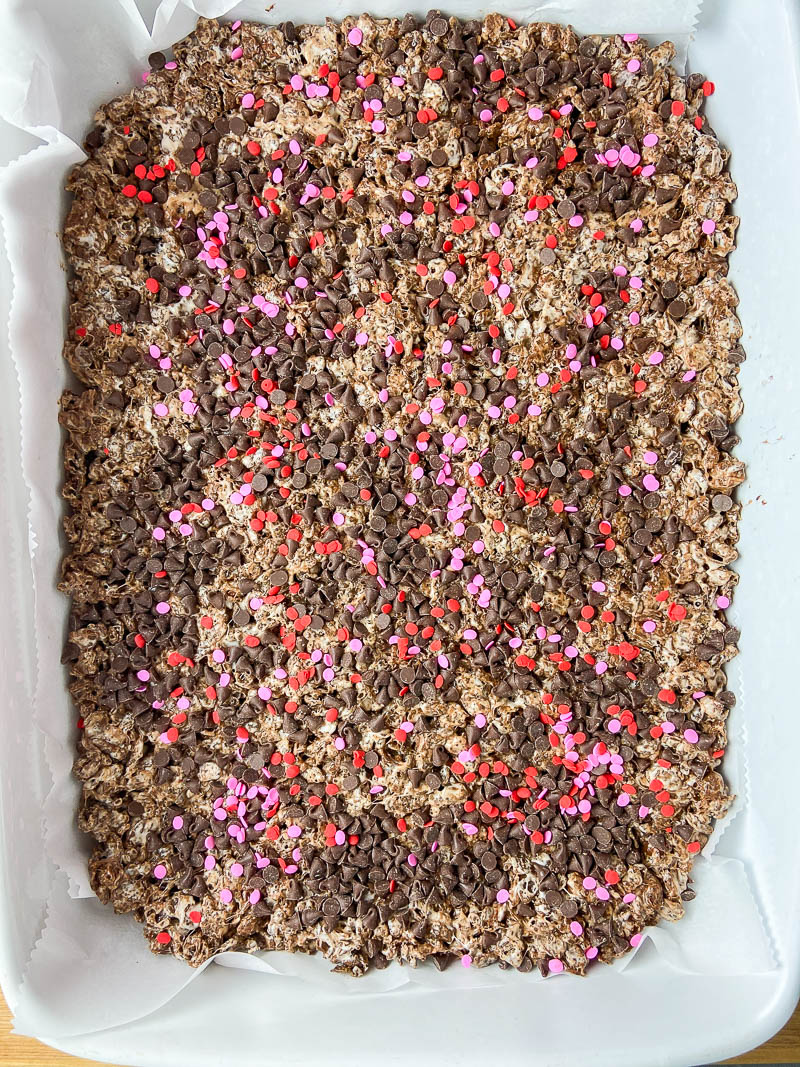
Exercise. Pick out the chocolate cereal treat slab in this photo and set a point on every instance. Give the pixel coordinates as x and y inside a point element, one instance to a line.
<point>400,487</point>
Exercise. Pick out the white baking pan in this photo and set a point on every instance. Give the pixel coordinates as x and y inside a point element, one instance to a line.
<point>661,1008</point>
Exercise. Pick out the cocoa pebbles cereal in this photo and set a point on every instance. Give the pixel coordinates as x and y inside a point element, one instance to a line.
<point>401,495</point>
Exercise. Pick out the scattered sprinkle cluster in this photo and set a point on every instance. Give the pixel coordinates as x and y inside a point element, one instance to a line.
<point>401,491</point>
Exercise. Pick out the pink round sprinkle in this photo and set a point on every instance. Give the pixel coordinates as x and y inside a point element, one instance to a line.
<point>722,601</point>
<point>237,870</point>
<point>709,226</point>
<point>636,940</point>
<point>576,928</point>
<point>591,953</point>
<point>355,36</point>
<point>655,358</point>
<point>162,608</point>
<point>248,100</point>
<point>177,823</point>
<point>159,871</point>
<point>691,735</point>
<point>650,482</point>
<point>648,626</point>
<point>502,896</point>
<point>226,896</point>
<point>633,65</point>
<point>466,960</point>
<point>555,966</point>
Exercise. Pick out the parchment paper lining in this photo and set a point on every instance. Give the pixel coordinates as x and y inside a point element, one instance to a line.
<point>79,976</point>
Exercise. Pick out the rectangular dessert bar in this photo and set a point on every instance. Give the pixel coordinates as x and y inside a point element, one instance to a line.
<point>400,491</point>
